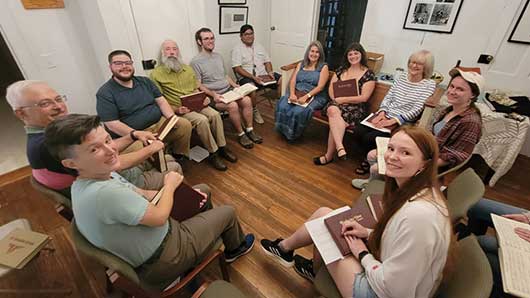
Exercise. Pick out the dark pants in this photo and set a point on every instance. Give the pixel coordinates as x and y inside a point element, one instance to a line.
<point>245,80</point>
<point>365,137</point>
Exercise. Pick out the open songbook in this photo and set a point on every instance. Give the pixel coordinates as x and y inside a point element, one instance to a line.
<point>267,80</point>
<point>514,256</point>
<point>238,93</point>
<point>382,146</point>
<point>368,121</point>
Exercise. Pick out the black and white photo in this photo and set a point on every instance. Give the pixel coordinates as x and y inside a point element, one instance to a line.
<point>432,15</point>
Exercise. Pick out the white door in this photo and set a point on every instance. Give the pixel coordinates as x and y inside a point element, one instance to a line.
<point>293,26</point>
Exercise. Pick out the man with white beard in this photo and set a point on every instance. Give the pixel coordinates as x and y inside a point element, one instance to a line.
<point>176,79</point>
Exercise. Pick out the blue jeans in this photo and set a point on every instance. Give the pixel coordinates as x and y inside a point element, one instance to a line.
<point>490,247</point>
<point>479,218</point>
<point>361,287</point>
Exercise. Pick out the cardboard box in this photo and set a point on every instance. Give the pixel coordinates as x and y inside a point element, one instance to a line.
<point>375,61</point>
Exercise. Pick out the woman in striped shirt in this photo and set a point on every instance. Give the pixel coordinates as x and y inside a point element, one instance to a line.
<point>402,104</point>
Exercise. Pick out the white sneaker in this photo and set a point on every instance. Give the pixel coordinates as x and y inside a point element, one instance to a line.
<point>360,183</point>
<point>257,116</point>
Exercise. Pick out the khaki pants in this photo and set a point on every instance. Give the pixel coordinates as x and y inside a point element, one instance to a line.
<point>145,176</point>
<point>208,123</point>
<point>177,140</point>
<point>191,241</point>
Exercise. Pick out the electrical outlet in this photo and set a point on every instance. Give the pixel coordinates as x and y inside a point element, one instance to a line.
<point>485,59</point>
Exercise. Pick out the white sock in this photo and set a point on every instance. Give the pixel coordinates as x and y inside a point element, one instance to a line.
<point>249,129</point>
<point>241,133</point>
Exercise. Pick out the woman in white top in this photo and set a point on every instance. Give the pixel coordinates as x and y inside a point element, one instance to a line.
<point>407,251</point>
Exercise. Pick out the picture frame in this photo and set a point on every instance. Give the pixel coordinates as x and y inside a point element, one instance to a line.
<point>231,18</point>
<point>521,30</point>
<point>432,15</point>
<point>232,2</point>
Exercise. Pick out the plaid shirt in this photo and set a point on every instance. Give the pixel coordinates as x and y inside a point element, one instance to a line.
<point>458,137</point>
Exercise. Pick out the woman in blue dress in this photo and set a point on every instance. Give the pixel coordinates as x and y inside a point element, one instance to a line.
<point>307,85</point>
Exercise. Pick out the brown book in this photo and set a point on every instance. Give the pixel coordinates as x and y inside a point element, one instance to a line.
<point>194,101</point>
<point>166,127</point>
<point>186,202</point>
<point>299,93</point>
<point>158,160</point>
<point>20,246</point>
<point>361,212</point>
<point>267,80</point>
<point>345,88</point>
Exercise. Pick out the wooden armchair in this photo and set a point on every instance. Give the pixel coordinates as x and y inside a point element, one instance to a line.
<point>63,204</point>
<point>122,276</point>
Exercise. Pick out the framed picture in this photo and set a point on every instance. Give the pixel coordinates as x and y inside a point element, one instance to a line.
<point>231,18</point>
<point>432,15</point>
<point>231,2</point>
<point>521,30</point>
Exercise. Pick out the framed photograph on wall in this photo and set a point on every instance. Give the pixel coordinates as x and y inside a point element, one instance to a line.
<point>231,2</point>
<point>432,15</point>
<point>521,30</point>
<point>231,18</point>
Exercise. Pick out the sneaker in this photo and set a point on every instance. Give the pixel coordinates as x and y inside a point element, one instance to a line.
<point>227,154</point>
<point>216,162</point>
<point>254,137</point>
<point>257,116</point>
<point>360,183</point>
<point>272,248</point>
<point>242,250</point>
<point>245,141</point>
<point>304,267</point>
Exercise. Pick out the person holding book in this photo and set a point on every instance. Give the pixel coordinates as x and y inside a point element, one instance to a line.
<point>402,104</point>
<point>37,104</point>
<point>127,103</point>
<point>209,68</point>
<point>348,110</point>
<point>409,248</point>
<point>306,93</point>
<point>457,128</point>
<point>118,217</point>
<point>252,64</point>
<point>175,80</point>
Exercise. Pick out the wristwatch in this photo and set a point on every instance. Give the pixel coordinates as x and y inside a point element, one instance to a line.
<point>309,95</point>
<point>362,254</point>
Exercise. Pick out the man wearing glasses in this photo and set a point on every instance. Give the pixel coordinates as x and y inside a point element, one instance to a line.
<point>249,61</point>
<point>37,104</point>
<point>126,103</point>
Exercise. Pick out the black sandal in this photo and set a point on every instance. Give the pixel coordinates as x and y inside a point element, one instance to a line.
<point>363,169</point>
<point>344,156</point>
<point>318,160</point>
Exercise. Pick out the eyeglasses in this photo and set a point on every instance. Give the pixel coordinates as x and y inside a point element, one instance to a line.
<point>416,62</point>
<point>46,103</point>
<point>248,33</point>
<point>122,63</point>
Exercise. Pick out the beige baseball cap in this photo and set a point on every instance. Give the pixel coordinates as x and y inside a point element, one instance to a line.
<point>470,77</point>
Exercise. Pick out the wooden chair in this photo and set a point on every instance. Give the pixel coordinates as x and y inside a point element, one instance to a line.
<point>63,204</point>
<point>122,276</point>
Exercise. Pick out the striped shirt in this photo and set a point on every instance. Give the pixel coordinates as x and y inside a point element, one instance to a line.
<point>404,101</point>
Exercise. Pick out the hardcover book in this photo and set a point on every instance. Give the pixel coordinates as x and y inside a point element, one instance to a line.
<point>346,88</point>
<point>194,101</point>
<point>166,127</point>
<point>368,121</point>
<point>267,80</point>
<point>186,202</point>
<point>238,93</point>
<point>20,246</point>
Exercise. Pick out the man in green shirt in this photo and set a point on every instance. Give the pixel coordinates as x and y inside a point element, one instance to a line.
<point>176,79</point>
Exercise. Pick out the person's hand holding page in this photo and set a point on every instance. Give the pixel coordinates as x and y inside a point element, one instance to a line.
<point>353,228</point>
<point>523,233</point>
<point>217,97</point>
<point>205,197</point>
<point>386,123</point>
<point>517,217</point>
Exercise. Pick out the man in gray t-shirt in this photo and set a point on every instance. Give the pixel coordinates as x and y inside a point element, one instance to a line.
<point>210,71</point>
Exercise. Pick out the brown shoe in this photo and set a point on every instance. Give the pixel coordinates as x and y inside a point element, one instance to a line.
<point>254,137</point>
<point>245,142</point>
<point>227,154</point>
<point>216,162</point>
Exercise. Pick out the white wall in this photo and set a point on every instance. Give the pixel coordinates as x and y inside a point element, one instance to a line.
<point>481,27</point>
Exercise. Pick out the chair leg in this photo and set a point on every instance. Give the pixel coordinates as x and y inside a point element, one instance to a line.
<point>224,268</point>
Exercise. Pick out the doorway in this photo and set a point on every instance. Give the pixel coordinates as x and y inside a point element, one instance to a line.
<point>340,23</point>
<point>11,129</point>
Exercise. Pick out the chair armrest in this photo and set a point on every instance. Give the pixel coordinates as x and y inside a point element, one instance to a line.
<point>291,66</point>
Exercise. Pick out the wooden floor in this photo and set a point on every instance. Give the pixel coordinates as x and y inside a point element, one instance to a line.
<point>274,187</point>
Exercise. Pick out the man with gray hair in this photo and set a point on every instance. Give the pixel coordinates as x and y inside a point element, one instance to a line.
<point>176,79</point>
<point>37,104</point>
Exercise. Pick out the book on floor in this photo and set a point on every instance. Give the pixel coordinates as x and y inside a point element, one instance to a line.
<point>514,256</point>
<point>382,146</point>
<point>366,212</point>
<point>238,93</point>
<point>166,127</point>
<point>267,80</point>
<point>345,88</point>
<point>20,246</point>
<point>186,202</point>
<point>368,121</point>
<point>194,101</point>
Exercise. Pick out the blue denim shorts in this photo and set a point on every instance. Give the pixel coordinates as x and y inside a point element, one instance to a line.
<point>361,287</point>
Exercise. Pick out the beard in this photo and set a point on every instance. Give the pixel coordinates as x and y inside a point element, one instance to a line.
<point>172,63</point>
<point>122,77</point>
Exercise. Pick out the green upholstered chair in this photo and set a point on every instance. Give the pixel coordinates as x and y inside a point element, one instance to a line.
<point>123,277</point>
<point>63,204</point>
<point>218,289</point>
<point>462,193</point>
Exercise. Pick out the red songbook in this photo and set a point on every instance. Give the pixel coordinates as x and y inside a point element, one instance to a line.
<point>267,80</point>
<point>345,88</point>
<point>299,93</point>
<point>194,101</point>
<point>366,212</point>
<point>166,127</point>
<point>186,202</point>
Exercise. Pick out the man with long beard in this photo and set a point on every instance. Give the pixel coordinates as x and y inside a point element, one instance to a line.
<point>176,79</point>
<point>127,103</point>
